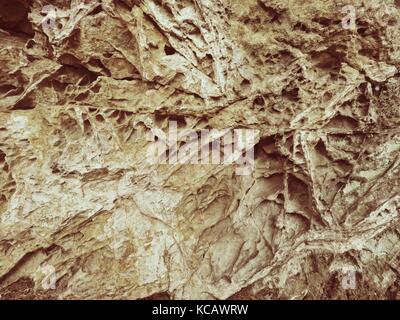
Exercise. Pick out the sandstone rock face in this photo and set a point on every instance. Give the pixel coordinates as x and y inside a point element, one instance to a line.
<point>84,215</point>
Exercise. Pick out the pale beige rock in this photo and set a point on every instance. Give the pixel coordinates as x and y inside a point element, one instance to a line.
<point>77,194</point>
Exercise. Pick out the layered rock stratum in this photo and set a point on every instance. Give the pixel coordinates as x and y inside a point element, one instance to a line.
<point>82,83</point>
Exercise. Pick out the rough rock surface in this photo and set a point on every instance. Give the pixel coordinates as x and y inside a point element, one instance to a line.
<point>77,195</point>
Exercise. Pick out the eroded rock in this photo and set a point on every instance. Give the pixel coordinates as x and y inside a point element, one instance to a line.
<point>83,83</point>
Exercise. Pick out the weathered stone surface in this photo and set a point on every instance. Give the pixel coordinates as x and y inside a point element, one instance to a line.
<point>79,94</point>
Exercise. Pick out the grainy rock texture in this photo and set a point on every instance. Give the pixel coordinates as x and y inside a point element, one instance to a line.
<point>82,85</point>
